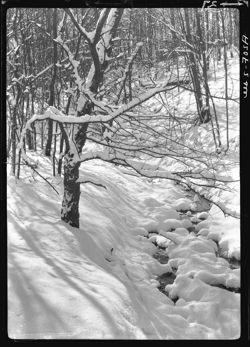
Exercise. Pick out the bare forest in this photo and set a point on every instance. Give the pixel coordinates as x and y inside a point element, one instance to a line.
<point>123,142</point>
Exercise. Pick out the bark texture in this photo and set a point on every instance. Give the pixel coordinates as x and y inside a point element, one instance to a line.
<point>71,196</point>
<point>104,33</point>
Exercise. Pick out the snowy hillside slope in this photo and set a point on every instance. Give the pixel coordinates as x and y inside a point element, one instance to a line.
<point>100,281</point>
<point>182,106</point>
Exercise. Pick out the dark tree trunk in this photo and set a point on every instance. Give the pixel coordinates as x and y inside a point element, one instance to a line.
<point>59,168</point>
<point>62,140</point>
<point>207,39</point>
<point>29,140</point>
<point>71,196</point>
<point>18,164</point>
<point>33,126</point>
<point>49,139</point>
<point>205,115</point>
<point>70,204</point>
<point>13,133</point>
<point>28,133</point>
<point>231,33</point>
<point>226,77</point>
<point>194,68</point>
<point>218,37</point>
<point>13,142</point>
<point>54,152</point>
<point>42,135</point>
<point>52,86</point>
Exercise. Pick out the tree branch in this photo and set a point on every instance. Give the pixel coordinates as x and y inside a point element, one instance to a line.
<point>87,36</point>
<point>96,184</point>
<point>33,168</point>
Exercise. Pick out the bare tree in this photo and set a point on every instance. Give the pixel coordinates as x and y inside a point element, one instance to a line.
<point>52,84</point>
<point>91,109</point>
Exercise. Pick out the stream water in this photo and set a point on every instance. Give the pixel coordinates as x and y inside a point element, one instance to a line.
<point>162,256</point>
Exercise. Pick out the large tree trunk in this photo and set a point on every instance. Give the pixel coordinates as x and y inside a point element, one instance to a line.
<point>71,196</point>
<point>13,142</point>
<point>70,204</point>
<point>194,68</point>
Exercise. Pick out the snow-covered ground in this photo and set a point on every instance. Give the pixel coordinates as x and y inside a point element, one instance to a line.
<point>101,281</point>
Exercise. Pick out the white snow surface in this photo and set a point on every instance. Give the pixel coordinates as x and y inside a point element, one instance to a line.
<point>100,281</point>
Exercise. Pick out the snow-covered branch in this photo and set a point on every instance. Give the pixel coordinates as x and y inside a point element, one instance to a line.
<point>88,36</point>
<point>56,115</point>
<point>154,171</point>
<point>73,62</point>
<point>103,45</point>
<point>94,183</point>
<point>101,20</point>
<point>127,69</point>
<point>208,195</point>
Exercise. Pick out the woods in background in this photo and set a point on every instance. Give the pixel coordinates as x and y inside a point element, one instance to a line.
<point>105,63</point>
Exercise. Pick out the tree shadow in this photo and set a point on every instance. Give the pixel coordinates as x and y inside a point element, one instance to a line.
<point>32,305</point>
<point>19,284</point>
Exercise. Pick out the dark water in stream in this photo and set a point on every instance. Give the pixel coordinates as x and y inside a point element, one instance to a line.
<point>162,257</point>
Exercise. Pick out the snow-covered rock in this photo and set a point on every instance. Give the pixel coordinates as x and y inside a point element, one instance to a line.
<point>204,232</point>
<point>203,215</point>
<point>195,219</point>
<point>160,240</point>
<point>214,236</point>
<point>181,231</point>
<point>162,213</point>
<point>182,204</point>
<point>149,224</point>
<point>234,279</point>
<point>170,224</point>
<point>154,282</point>
<point>204,224</point>
<point>186,223</point>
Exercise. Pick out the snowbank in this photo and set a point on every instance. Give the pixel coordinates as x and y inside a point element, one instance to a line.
<point>99,282</point>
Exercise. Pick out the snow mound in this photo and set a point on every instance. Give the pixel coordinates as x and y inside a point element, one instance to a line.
<point>204,224</point>
<point>228,230</point>
<point>213,236</point>
<point>169,224</point>
<point>182,204</point>
<point>149,225</point>
<point>203,215</point>
<point>160,240</point>
<point>186,223</point>
<point>189,289</point>
<point>162,213</point>
<point>151,202</point>
<point>195,219</point>
<point>181,231</point>
<point>100,281</point>
<point>203,232</point>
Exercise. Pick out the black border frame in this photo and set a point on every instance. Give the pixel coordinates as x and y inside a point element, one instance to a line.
<point>244,134</point>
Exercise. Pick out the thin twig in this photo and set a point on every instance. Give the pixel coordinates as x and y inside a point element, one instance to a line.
<point>33,168</point>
